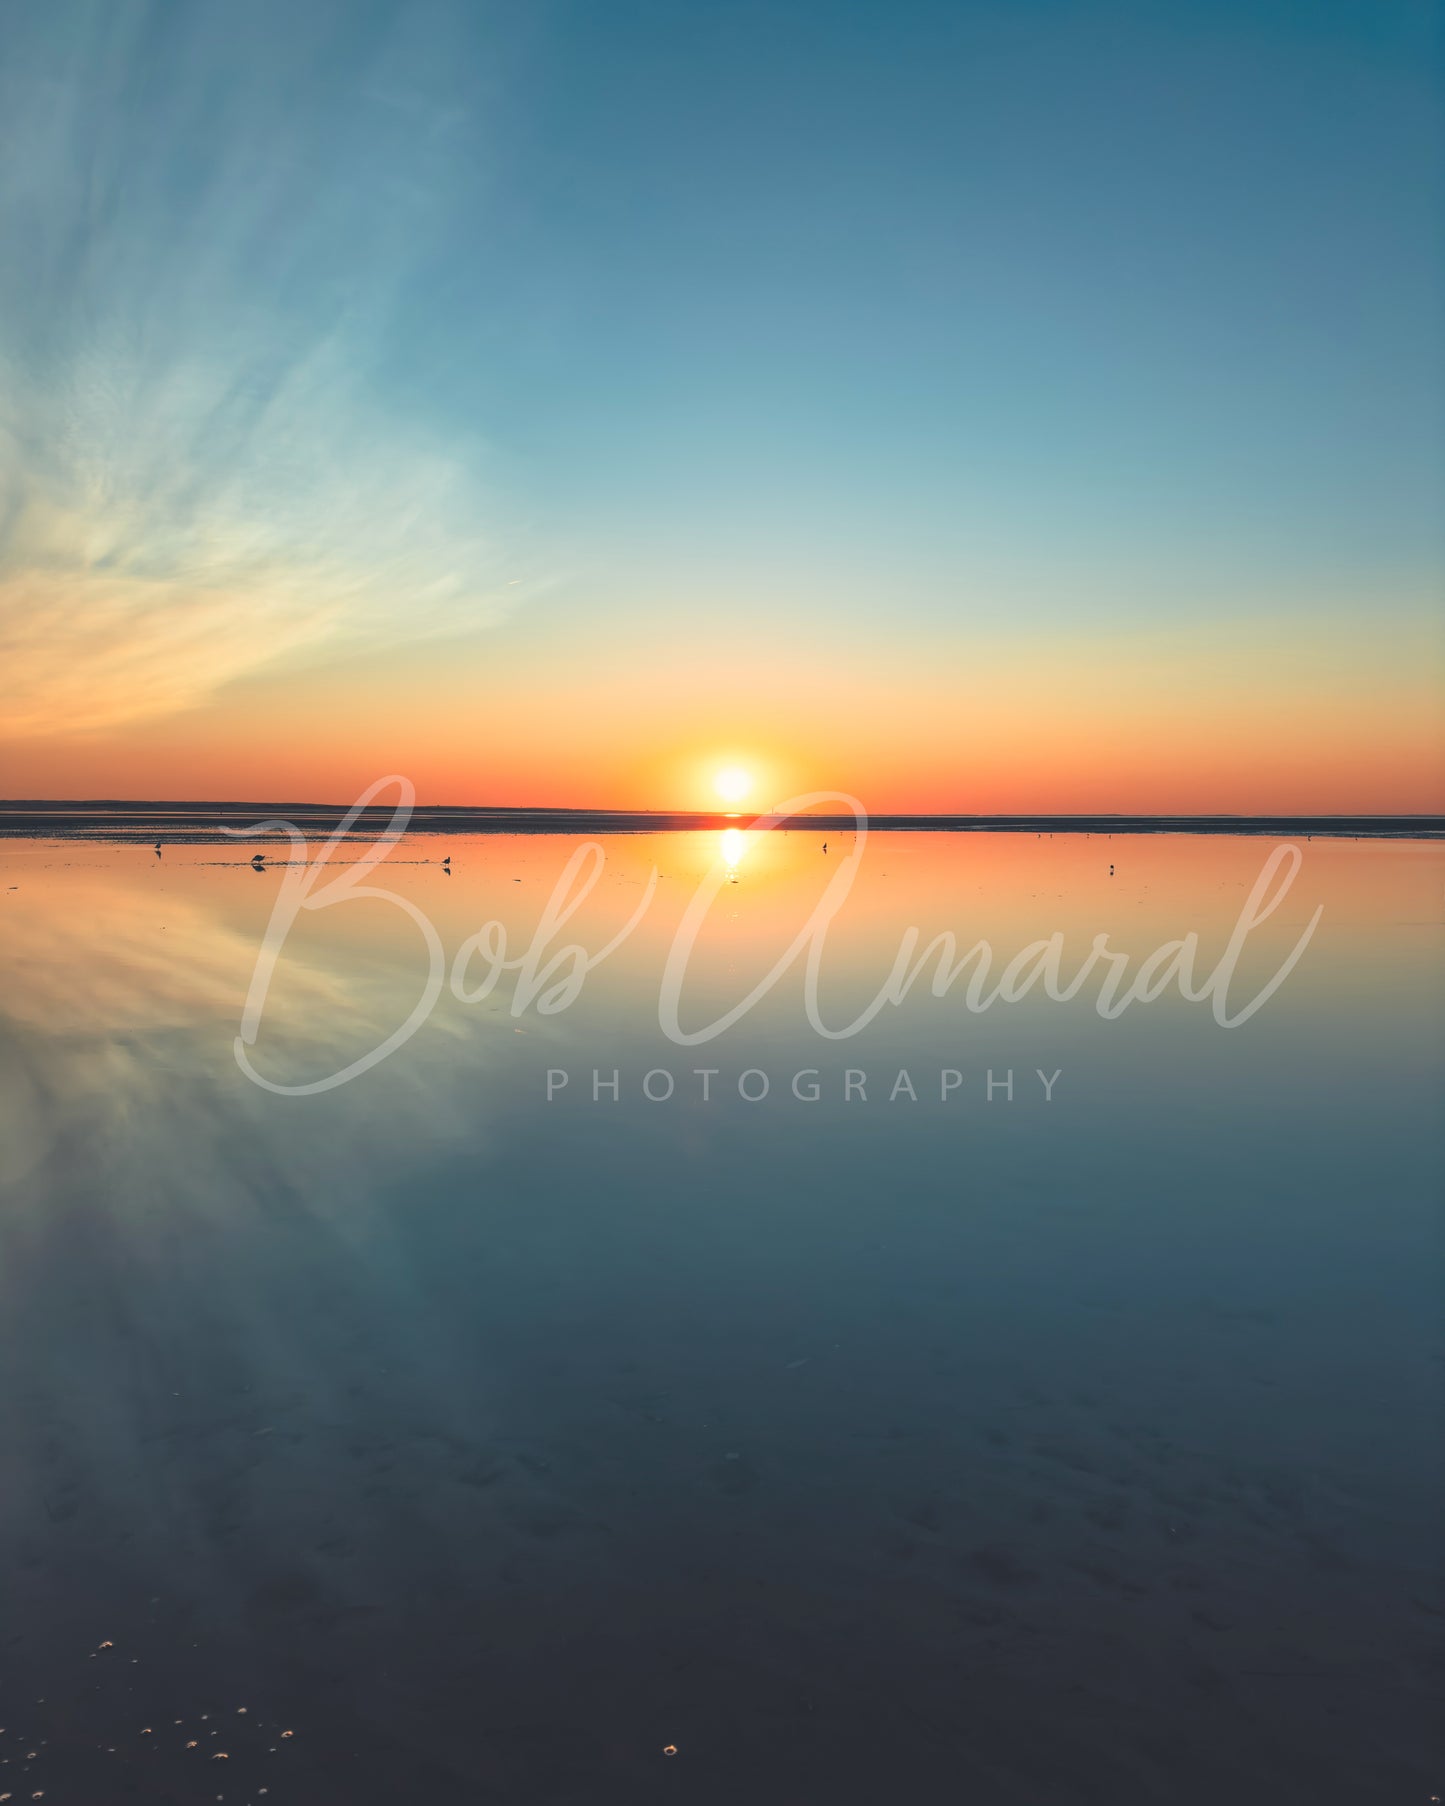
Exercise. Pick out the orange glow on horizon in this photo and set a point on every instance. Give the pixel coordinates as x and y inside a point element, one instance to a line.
<point>1196,727</point>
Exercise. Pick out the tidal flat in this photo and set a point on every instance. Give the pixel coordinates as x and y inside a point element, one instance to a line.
<point>422,1439</point>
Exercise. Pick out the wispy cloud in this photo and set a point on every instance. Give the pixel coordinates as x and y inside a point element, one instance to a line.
<point>212,219</point>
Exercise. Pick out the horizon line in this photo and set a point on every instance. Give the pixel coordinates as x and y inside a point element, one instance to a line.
<point>27,816</point>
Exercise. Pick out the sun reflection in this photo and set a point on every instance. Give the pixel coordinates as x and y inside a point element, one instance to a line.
<point>734,847</point>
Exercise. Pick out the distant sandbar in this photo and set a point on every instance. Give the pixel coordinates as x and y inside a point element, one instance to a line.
<point>126,821</point>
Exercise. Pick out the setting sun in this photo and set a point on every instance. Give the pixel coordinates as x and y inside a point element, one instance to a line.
<point>733,784</point>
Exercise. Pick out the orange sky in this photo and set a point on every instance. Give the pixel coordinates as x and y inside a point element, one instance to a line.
<point>1237,718</point>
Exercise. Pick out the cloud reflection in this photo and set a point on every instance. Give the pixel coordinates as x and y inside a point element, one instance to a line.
<point>121,1004</point>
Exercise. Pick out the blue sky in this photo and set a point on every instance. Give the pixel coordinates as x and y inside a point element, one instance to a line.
<point>330,327</point>
<point>1151,286</point>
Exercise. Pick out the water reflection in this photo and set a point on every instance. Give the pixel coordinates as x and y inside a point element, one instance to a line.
<point>849,1441</point>
<point>734,848</point>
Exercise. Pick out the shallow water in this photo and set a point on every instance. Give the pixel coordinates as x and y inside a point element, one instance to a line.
<point>1079,1444</point>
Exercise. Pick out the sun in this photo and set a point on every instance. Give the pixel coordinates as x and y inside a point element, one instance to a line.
<point>732,784</point>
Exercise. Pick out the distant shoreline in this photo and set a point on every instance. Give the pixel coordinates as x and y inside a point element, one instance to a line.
<point>179,822</point>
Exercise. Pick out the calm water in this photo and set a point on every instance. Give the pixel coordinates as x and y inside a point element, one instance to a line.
<point>1047,1448</point>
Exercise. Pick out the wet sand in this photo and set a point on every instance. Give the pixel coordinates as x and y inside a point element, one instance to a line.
<point>870,1458</point>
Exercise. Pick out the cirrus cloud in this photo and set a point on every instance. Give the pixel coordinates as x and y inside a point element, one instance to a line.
<point>210,222</point>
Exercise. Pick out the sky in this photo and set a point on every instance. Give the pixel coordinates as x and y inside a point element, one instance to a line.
<point>966,406</point>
